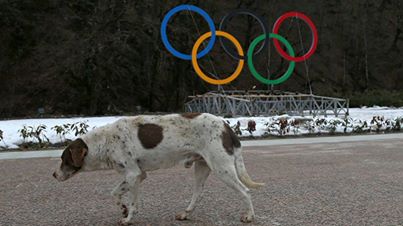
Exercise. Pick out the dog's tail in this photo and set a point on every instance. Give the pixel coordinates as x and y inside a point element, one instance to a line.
<point>239,164</point>
<point>241,171</point>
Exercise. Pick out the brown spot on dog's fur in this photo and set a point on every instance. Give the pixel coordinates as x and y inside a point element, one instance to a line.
<point>125,210</point>
<point>150,135</point>
<point>190,115</point>
<point>229,139</point>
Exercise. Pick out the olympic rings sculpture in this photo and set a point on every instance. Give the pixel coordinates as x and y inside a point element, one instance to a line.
<point>240,56</point>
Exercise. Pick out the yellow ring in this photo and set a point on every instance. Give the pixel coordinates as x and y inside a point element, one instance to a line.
<point>204,76</point>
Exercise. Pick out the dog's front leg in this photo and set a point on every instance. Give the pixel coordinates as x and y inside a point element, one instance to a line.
<point>134,194</point>
<point>118,192</point>
<point>133,179</point>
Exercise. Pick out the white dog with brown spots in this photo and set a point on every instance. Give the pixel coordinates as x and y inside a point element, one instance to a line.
<point>135,145</point>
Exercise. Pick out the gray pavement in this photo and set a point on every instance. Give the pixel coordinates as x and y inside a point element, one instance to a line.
<point>317,183</point>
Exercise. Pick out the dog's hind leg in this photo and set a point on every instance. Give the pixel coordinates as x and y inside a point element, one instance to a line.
<point>201,171</point>
<point>224,169</point>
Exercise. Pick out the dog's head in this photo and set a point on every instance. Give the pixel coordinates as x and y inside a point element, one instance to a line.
<point>72,160</point>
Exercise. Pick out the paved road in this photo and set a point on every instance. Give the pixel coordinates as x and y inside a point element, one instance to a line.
<point>320,183</point>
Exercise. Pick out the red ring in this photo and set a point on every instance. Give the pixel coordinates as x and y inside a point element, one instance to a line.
<point>311,26</point>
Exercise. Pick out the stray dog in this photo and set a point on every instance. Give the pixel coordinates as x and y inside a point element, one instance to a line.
<point>134,145</point>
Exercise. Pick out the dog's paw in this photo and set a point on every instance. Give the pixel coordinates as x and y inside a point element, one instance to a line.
<point>124,222</point>
<point>246,218</point>
<point>181,216</point>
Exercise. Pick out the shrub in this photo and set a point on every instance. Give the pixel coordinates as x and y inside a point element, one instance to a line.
<point>296,123</point>
<point>251,126</point>
<point>24,133</point>
<point>1,135</point>
<point>377,122</point>
<point>237,128</point>
<point>332,126</point>
<point>37,133</point>
<point>284,127</point>
<point>398,124</point>
<point>79,128</point>
<point>360,127</point>
<point>346,123</point>
<point>62,130</point>
<point>311,126</point>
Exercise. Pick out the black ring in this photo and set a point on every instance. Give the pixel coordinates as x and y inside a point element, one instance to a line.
<point>235,55</point>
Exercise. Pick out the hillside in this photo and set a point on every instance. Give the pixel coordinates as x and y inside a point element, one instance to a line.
<point>106,57</point>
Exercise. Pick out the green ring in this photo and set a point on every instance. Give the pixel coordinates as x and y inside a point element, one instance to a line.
<point>252,68</point>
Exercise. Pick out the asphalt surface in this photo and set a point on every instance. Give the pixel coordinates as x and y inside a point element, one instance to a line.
<point>340,183</point>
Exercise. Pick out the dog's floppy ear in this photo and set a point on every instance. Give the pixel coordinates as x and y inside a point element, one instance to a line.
<point>78,150</point>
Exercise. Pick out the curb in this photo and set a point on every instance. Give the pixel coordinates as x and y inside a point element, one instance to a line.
<point>247,143</point>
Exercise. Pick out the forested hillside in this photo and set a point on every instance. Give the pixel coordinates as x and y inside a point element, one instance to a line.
<point>99,57</point>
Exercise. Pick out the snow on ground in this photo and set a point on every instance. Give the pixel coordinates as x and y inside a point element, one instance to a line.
<point>12,137</point>
<point>360,120</point>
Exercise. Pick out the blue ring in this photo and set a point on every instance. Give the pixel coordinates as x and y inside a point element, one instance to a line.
<point>194,9</point>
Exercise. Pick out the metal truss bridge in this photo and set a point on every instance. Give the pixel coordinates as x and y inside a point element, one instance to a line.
<point>265,103</point>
